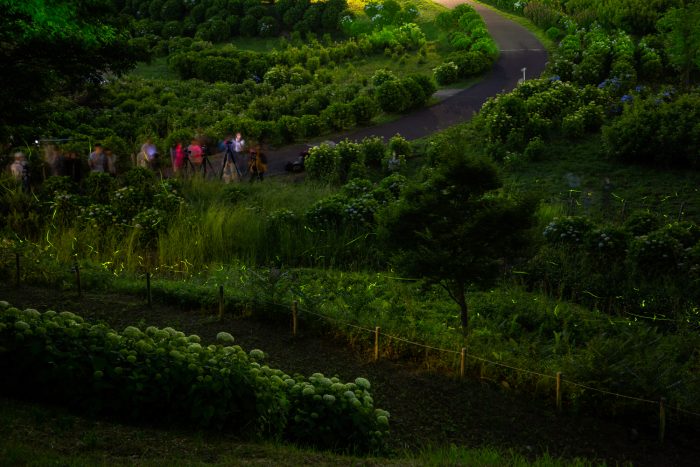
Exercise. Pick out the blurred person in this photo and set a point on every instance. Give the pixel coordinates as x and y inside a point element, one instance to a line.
<point>257,164</point>
<point>54,159</point>
<point>195,153</point>
<point>110,162</point>
<point>177,156</point>
<point>20,170</point>
<point>149,152</point>
<point>97,160</point>
<point>18,167</point>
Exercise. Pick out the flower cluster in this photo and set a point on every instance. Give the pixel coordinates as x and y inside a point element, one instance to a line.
<point>656,253</point>
<point>163,371</point>
<point>64,206</point>
<point>361,209</point>
<point>569,230</point>
<point>150,221</point>
<point>608,241</point>
<point>100,216</point>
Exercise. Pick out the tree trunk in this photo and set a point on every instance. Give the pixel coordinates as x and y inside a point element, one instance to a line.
<point>461,297</point>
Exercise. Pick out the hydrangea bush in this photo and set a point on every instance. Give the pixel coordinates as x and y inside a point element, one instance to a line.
<point>164,375</point>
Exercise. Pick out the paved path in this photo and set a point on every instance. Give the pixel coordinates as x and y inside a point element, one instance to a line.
<point>519,49</point>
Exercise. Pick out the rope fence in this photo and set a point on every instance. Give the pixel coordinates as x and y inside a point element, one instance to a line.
<point>377,334</point>
<point>559,380</point>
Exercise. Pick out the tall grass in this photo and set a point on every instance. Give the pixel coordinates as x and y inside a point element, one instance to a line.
<point>256,224</point>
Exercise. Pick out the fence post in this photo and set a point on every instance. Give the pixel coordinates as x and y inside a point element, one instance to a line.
<point>376,343</point>
<point>295,306</point>
<point>558,391</point>
<point>662,419</point>
<point>77,278</point>
<point>462,356</point>
<point>17,268</point>
<point>221,302</point>
<point>148,289</point>
<point>680,211</point>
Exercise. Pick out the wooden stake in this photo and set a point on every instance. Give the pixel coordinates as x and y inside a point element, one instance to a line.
<point>148,289</point>
<point>77,279</point>
<point>17,268</point>
<point>295,306</point>
<point>221,302</point>
<point>559,391</point>
<point>680,211</point>
<point>376,343</point>
<point>662,419</point>
<point>462,356</point>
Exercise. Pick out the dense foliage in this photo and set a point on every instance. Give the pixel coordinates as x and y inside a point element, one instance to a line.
<point>298,90</point>
<point>475,50</point>
<point>55,47</point>
<point>218,21</point>
<point>332,242</point>
<point>161,374</point>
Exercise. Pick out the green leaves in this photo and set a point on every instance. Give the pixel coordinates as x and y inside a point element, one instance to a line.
<point>160,374</point>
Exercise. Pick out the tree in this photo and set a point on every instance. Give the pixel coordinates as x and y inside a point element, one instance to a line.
<point>680,28</point>
<point>58,46</point>
<point>454,229</point>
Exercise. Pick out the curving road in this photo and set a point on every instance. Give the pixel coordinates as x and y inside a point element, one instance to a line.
<point>519,49</point>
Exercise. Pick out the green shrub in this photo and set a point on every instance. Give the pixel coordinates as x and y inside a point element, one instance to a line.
<point>364,109</point>
<point>400,146</point>
<point>569,230</point>
<point>374,150</point>
<point>393,96</point>
<point>99,186</point>
<point>327,213</point>
<point>642,223</point>
<point>322,163</point>
<point>656,253</point>
<point>447,73</point>
<point>164,375</point>
<point>338,116</point>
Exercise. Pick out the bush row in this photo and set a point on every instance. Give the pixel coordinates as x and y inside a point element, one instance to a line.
<point>659,129</point>
<point>219,21</point>
<point>198,59</point>
<point>638,17</point>
<point>136,203</point>
<point>540,109</point>
<point>135,108</point>
<point>475,49</point>
<point>646,263</point>
<point>338,163</point>
<point>163,375</point>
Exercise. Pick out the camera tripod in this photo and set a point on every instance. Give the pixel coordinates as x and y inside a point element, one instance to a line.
<point>229,157</point>
<point>189,167</point>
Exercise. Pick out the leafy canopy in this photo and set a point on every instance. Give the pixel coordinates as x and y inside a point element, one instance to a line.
<point>455,229</point>
<point>56,46</point>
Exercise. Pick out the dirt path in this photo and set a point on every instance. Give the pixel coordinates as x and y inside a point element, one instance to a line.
<point>519,49</point>
<point>426,408</point>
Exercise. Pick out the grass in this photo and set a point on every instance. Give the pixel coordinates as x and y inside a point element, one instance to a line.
<point>156,69</point>
<point>35,435</point>
<point>574,174</point>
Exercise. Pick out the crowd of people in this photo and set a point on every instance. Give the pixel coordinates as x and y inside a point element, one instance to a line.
<point>186,158</point>
<point>239,160</point>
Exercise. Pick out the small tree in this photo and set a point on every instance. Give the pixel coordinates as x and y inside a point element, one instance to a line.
<point>454,229</point>
<point>681,33</point>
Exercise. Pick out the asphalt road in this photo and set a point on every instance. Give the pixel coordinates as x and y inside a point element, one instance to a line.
<point>519,49</point>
